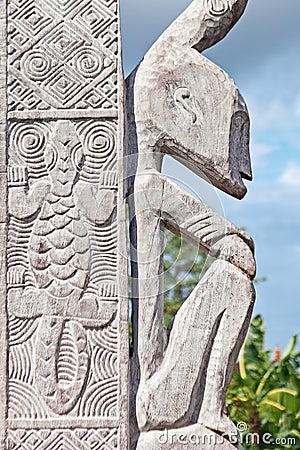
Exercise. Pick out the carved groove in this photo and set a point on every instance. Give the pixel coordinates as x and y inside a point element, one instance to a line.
<point>24,401</point>
<point>99,144</point>
<point>21,330</point>
<point>217,7</point>
<point>100,399</point>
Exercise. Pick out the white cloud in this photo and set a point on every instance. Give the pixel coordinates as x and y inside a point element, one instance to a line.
<point>268,113</point>
<point>259,152</point>
<point>297,249</point>
<point>291,175</point>
<point>275,114</point>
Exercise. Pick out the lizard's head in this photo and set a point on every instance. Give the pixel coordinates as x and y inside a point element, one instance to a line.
<point>63,157</point>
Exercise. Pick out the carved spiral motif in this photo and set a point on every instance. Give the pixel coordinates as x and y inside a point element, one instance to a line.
<point>36,65</point>
<point>99,145</point>
<point>217,7</point>
<point>100,140</point>
<point>29,142</point>
<point>88,62</point>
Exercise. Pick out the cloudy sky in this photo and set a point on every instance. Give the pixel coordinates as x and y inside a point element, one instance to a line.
<point>262,55</point>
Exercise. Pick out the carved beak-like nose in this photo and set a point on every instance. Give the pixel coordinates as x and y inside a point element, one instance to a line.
<point>239,144</point>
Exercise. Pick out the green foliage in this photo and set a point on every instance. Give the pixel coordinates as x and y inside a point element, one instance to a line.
<point>183,267</point>
<point>265,390</point>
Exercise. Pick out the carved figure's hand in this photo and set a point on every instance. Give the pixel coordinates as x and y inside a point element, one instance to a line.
<point>15,276</point>
<point>209,227</point>
<point>23,203</point>
<point>17,176</point>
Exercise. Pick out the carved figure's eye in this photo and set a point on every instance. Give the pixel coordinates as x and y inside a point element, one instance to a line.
<point>77,157</point>
<point>51,156</point>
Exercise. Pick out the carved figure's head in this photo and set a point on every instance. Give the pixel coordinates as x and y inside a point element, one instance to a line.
<point>204,122</point>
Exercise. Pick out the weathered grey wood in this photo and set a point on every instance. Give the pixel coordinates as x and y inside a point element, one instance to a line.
<point>63,266</point>
<point>181,104</point>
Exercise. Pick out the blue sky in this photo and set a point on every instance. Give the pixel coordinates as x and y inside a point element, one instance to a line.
<point>262,55</point>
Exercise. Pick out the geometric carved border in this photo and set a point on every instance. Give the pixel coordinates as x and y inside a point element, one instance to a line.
<point>78,439</point>
<point>63,54</point>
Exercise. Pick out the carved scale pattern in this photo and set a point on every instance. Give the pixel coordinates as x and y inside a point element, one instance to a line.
<point>62,54</point>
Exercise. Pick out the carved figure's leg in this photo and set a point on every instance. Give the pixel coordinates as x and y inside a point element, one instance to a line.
<point>90,308</point>
<point>26,304</point>
<point>172,396</point>
<point>30,303</point>
<point>226,347</point>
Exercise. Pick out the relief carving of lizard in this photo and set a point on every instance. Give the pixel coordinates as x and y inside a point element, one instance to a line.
<point>59,258</point>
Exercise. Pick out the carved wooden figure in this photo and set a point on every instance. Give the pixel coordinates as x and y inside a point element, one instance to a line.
<point>179,103</point>
<point>63,295</point>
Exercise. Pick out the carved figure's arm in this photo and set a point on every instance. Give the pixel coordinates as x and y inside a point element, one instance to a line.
<point>23,203</point>
<point>186,215</point>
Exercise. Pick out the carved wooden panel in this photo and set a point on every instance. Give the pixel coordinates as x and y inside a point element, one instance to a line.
<point>62,54</point>
<point>64,384</point>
